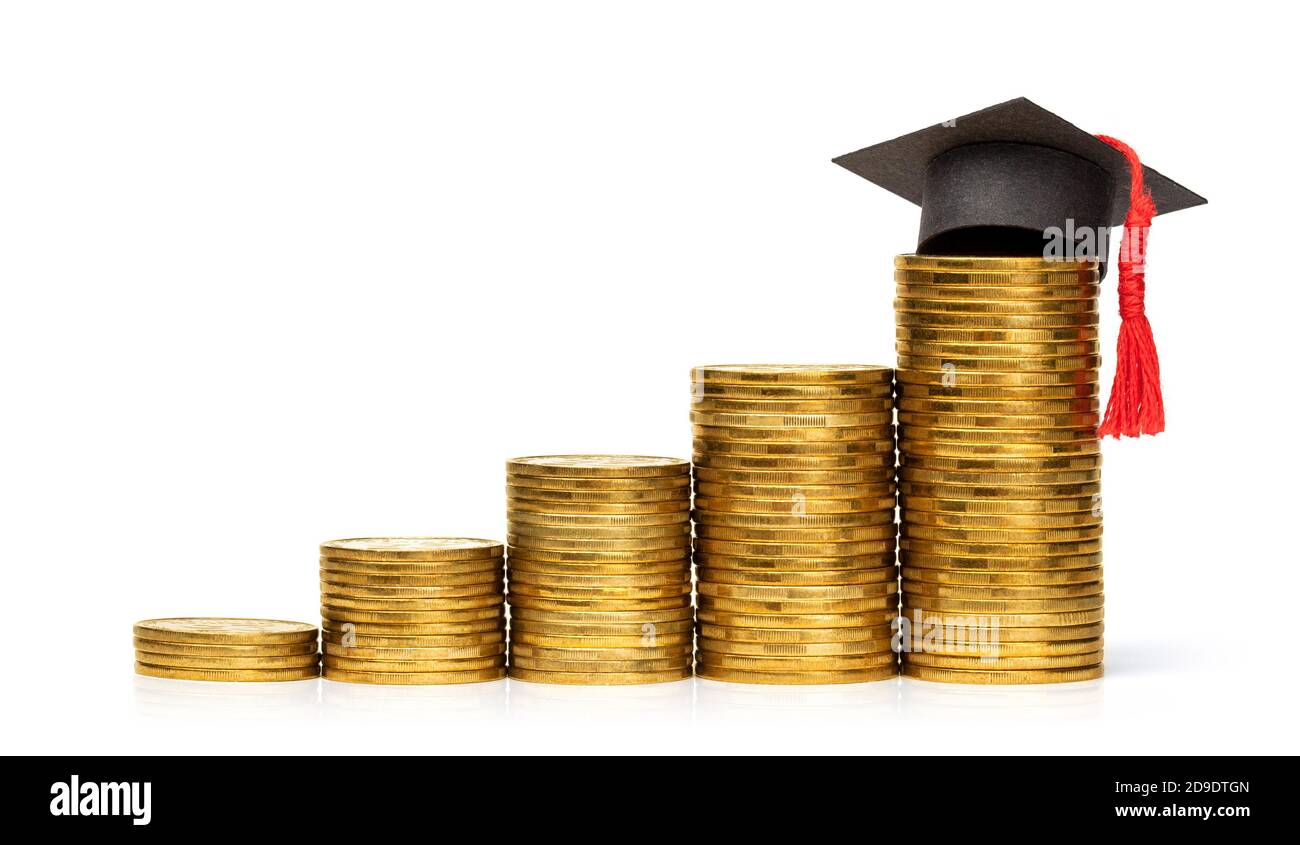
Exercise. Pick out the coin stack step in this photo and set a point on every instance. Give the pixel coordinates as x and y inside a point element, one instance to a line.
<point>599,569</point>
<point>999,470</point>
<point>413,610</point>
<point>221,649</point>
<point>794,523</point>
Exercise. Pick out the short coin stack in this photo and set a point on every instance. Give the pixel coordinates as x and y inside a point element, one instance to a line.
<point>413,610</point>
<point>599,568</point>
<point>1000,469</point>
<point>219,649</point>
<point>794,523</point>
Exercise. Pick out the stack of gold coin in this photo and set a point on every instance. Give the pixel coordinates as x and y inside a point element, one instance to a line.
<point>794,523</point>
<point>1000,469</point>
<point>599,566</point>
<point>219,649</point>
<point>413,610</point>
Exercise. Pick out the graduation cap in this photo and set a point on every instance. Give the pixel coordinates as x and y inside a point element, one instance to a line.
<point>1011,180</point>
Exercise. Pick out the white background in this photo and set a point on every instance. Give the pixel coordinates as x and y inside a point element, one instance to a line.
<point>275,273</point>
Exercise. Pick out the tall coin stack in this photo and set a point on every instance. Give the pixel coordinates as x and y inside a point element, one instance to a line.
<point>794,523</point>
<point>599,569</point>
<point>221,649</point>
<point>999,469</point>
<point>413,610</point>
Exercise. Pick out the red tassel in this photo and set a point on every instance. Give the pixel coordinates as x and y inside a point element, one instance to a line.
<point>1136,406</point>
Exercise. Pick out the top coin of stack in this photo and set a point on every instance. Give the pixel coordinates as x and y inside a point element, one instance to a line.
<point>219,649</point>
<point>794,523</point>
<point>599,568</point>
<point>1000,469</point>
<point>413,610</point>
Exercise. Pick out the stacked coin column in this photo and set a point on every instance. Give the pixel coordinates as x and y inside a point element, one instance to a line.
<point>794,523</point>
<point>413,610</point>
<point>999,469</point>
<point>221,649</point>
<point>599,569</point>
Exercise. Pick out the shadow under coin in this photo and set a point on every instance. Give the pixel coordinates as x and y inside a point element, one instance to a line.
<point>162,698</point>
<point>672,700</point>
<point>723,701</point>
<point>923,700</point>
<point>346,701</point>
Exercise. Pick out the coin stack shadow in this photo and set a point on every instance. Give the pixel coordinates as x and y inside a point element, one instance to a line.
<point>225,649</point>
<point>794,523</point>
<point>413,610</point>
<point>599,569</point>
<point>1000,469</point>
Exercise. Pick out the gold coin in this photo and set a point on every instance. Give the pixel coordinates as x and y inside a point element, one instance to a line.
<point>984,663</point>
<point>358,615</point>
<point>768,650</point>
<point>798,593</point>
<point>610,557</point>
<point>1000,491</point>
<point>800,550</point>
<point>332,588</point>
<point>959,367</point>
<point>653,640</point>
<point>468,664</point>
<point>984,408</point>
<point>936,604</point>
<point>1000,535</point>
<point>298,674</point>
<point>219,650</point>
<point>851,635</point>
<point>999,393</point>
<point>485,578</point>
<point>840,577</point>
<point>193,661</point>
<point>975,630</point>
<point>796,620</point>
<point>1072,334</point>
<point>860,519</point>
<point>1088,421</point>
<point>831,663</point>
<point>877,419</point>
<point>417,655</point>
<point>462,603</point>
<point>908,289</point>
<point>740,676</point>
<point>791,491</point>
<point>802,450</point>
<point>660,569</point>
<point>1079,504</point>
<point>1001,450</point>
<point>947,351</point>
<point>999,479</point>
<point>424,569</point>
<point>1035,676</point>
<point>702,391</point>
<point>410,548</point>
<point>668,579</point>
<point>369,630</point>
<point>1011,620</point>
<point>965,266</point>
<point>528,482</point>
<point>999,578</point>
<point>598,678</point>
<point>951,375</point>
<point>798,608</point>
<point>882,434</point>
<point>965,520</point>
<point>742,476</point>
<point>973,321</point>
<point>797,463</point>
<point>616,666</point>
<point>797,535</point>
<point>601,521</point>
<point>714,405</point>
<point>624,617</point>
<point>538,494</point>
<point>973,650</point>
<point>1026,552</point>
<point>490,639</point>
<point>644,632</point>
<point>795,505</point>
<point>495,673</point>
<point>596,466</point>
<point>230,631</point>
<point>797,563</point>
<point>594,592</point>
<point>1052,591</point>
<point>792,374</point>
<point>521,602</point>
<point>519,505</point>
<point>584,532</point>
<point>528,543</point>
<point>1065,463</point>
<point>998,307</point>
<point>674,653</point>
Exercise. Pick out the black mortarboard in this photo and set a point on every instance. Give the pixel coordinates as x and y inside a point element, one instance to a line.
<point>992,182</point>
